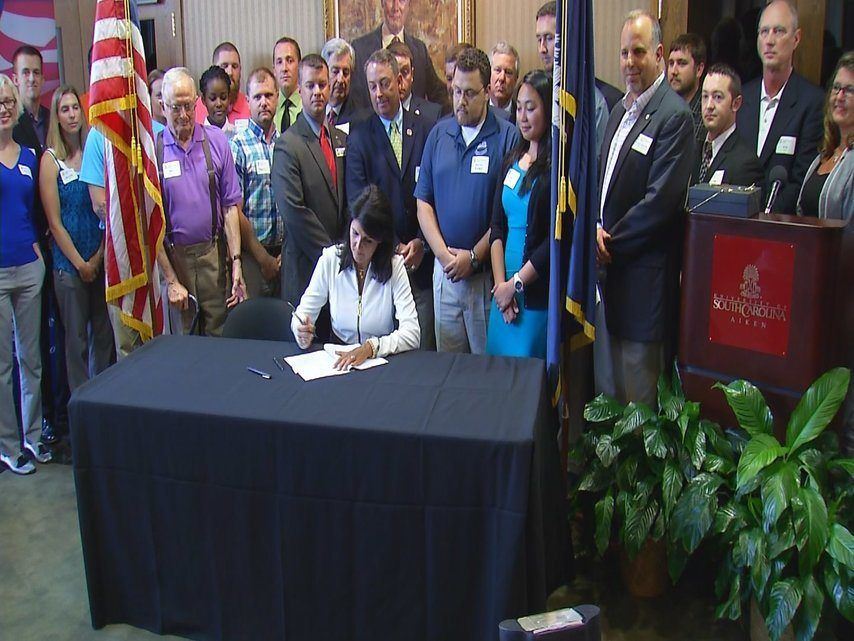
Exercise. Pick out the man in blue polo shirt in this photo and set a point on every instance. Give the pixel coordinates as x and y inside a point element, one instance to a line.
<point>459,171</point>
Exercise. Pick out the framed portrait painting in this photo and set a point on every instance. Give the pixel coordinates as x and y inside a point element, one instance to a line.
<point>439,23</point>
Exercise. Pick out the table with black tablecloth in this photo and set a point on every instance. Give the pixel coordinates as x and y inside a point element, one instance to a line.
<point>420,500</point>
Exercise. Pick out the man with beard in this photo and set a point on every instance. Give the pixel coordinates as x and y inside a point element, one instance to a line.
<point>460,168</point>
<point>261,228</point>
<point>685,67</point>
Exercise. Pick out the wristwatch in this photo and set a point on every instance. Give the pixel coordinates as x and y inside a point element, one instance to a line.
<point>518,285</point>
<point>475,263</point>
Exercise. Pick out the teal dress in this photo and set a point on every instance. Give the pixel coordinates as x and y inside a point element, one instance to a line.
<point>526,335</point>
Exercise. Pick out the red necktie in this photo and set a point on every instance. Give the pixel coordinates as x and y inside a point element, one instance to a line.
<point>326,148</point>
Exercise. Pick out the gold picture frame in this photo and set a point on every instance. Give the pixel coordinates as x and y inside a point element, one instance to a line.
<point>439,23</point>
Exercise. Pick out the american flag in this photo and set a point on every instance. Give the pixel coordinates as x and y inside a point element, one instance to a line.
<point>120,107</point>
<point>30,22</point>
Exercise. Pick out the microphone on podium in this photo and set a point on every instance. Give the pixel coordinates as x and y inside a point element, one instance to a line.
<point>778,177</point>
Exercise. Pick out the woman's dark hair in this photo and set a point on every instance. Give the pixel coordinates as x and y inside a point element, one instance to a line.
<point>541,82</point>
<point>213,73</point>
<point>373,211</point>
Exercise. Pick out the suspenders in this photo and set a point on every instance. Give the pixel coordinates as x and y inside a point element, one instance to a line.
<point>211,181</point>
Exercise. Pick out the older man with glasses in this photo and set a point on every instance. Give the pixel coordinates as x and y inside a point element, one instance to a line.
<point>201,193</point>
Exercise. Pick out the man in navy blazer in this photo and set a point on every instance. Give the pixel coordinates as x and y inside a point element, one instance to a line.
<point>644,168</point>
<point>782,113</point>
<point>372,159</point>
<point>426,83</point>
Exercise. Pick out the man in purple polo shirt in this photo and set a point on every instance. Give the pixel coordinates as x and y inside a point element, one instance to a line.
<point>200,197</point>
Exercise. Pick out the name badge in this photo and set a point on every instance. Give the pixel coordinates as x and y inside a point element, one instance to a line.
<point>68,175</point>
<point>480,165</point>
<point>786,145</point>
<point>345,127</point>
<point>25,171</point>
<point>717,177</point>
<point>262,166</point>
<point>339,152</point>
<point>512,178</point>
<point>241,123</point>
<point>642,144</point>
<point>172,169</point>
<point>417,172</point>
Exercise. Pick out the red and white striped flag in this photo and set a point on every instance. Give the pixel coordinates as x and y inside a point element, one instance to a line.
<point>120,108</point>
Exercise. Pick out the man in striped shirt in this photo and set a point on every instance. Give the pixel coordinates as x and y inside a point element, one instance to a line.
<point>261,226</point>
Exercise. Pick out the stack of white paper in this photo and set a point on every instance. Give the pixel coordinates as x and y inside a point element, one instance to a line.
<point>320,364</point>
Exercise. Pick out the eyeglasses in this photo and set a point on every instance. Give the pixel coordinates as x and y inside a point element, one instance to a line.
<point>177,109</point>
<point>468,94</point>
<point>9,103</point>
<point>845,90</point>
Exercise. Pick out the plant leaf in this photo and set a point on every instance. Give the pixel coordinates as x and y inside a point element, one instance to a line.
<point>784,600</point>
<point>676,382</point>
<point>659,527</point>
<point>676,560</point>
<point>760,568</point>
<point>807,618</point>
<point>841,546</point>
<point>636,528</point>
<point>761,451</point>
<point>602,408</point>
<point>731,608</point>
<point>812,462</point>
<point>669,404</point>
<point>604,512</point>
<point>607,450</point>
<point>844,464</point>
<point>597,478</point>
<point>782,538</point>
<point>811,528</point>
<point>692,516</point>
<point>749,407</point>
<point>695,441</point>
<point>635,415</point>
<point>777,490</point>
<point>671,486</point>
<point>817,407</point>
<point>653,441</point>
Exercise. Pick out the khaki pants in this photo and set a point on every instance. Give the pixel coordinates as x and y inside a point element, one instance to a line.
<point>256,285</point>
<point>203,267</point>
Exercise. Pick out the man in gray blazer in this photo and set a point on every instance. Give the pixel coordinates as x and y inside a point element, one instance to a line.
<point>644,168</point>
<point>308,183</point>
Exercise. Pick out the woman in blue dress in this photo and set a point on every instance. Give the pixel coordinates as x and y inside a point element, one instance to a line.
<point>519,235</point>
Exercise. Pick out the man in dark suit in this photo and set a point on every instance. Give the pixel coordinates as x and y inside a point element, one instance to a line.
<point>425,83</point>
<point>342,109</point>
<point>428,111</point>
<point>723,157</point>
<point>505,74</point>
<point>782,113</point>
<point>386,151</point>
<point>308,183</point>
<point>31,131</point>
<point>644,168</point>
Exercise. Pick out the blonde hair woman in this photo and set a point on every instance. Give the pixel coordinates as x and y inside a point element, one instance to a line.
<point>21,276</point>
<point>77,242</point>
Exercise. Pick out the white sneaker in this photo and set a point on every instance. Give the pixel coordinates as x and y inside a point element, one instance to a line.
<point>19,465</point>
<point>39,451</point>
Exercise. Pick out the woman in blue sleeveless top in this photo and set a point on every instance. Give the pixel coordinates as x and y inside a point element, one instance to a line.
<point>77,242</point>
<point>519,235</point>
<point>21,277</point>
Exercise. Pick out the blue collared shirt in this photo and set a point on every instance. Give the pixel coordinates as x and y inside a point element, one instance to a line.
<point>253,160</point>
<point>398,119</point>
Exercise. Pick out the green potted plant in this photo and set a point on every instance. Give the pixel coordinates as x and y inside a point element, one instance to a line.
<point>781,514</point>
<point>637,463</point>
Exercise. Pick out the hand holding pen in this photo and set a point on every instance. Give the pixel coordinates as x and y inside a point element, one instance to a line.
<point>305,332</point>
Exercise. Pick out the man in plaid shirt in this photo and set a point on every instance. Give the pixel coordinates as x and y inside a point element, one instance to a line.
<point>261,226</point>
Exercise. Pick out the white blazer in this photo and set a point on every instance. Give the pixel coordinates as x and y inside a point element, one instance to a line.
<point>381,303</point>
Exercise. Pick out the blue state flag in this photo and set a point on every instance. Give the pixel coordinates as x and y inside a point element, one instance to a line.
<point>572,273</point>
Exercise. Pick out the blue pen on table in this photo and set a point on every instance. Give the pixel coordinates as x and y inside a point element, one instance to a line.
<point>263,375</point>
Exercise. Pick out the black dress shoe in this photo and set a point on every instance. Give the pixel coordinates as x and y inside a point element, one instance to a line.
<point>48,435</point>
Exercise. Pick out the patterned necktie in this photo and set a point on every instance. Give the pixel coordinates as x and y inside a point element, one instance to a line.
<point>707,160</point>
<point>330,119</point>
<point>396,142</point>
<point>326,148</point>
<point>393,41</point>
<point>285,121</point>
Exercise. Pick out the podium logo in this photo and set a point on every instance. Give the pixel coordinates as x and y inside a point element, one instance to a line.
<point>751,294</point>
<point>750,285</point>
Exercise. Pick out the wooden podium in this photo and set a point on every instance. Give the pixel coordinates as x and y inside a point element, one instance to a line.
<point>761,300</point>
